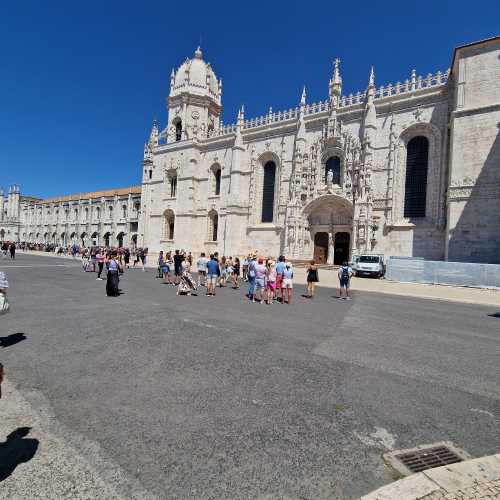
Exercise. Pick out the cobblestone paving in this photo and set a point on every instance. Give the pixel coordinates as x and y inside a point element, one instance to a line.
<point>481,491</point>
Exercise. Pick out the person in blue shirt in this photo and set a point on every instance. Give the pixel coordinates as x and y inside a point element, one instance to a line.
<point>212,273</point>
<point>280,267</point>
<point>251,275</point>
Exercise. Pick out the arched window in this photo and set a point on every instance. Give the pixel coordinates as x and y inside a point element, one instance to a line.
<point>119,239</point>
<point>97,213</point>
<point>417,158</point>
<point>107,239</point>
<point>124,211</point>
<point>216,179</point>
<point>213,225</point>
<point>172,179</point>
<point>168,224</point>
<point>178,130</point>
<point>333,165</point>
<point>268,192</point>
<point>86,214</point>
<point>110,209</point>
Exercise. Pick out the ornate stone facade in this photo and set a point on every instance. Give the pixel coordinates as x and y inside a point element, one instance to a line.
<point>105,218</point>
<point>408,169</point>
<point>339,168</point>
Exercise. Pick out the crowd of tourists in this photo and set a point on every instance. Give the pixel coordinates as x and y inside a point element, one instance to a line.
<point>268,280</point>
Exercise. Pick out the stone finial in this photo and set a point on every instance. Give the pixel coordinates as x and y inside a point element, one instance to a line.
<point>153,136</point>
<point>303,97</point>
<point>371,81</point>
<point>198,54</point>
<point>335,85</point>
<point>336,71</point>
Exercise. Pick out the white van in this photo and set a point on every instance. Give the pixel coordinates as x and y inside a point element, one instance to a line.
<point>368,265</point>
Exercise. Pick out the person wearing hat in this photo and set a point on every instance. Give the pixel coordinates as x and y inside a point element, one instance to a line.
<point>251,275</point>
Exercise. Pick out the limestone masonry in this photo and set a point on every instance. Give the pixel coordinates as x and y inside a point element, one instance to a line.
<point>410,169</point>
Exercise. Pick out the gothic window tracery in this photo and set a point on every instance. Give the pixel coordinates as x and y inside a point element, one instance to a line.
<point>417,158</point>
<point>213,225</point>
<point>216,175</point>
<point>168,224</point>
<point>178,130</point>
<point>268,192</point>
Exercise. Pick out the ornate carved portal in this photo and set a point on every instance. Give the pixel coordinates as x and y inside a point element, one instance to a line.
<point>328,225</point>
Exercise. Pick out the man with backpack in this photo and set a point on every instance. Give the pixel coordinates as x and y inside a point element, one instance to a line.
<point>345,273</point>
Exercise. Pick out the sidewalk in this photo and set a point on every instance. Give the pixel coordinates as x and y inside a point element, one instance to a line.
<point>328,278</point>
<point>477,479</point>
<point>36,464</point>
<point>487,297</point>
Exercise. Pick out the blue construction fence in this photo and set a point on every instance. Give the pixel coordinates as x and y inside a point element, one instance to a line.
<point>443,273</point>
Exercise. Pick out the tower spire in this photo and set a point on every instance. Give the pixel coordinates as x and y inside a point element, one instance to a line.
<point>153,136</point>
<point>335,85</point>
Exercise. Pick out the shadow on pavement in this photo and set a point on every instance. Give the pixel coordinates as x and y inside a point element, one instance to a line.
<point>16,450</point>
<point>495,315</point>
<point>12,339</point>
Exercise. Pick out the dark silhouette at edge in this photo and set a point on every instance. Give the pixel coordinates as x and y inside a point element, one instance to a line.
<point>16,450</point>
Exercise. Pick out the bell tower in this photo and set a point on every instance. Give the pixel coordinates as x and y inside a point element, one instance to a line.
<point>195,100</point>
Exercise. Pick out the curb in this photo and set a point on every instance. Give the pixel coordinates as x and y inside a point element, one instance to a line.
<point>473,479</point>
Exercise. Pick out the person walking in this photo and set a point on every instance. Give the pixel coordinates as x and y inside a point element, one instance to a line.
<point>212,273</point>
<point>143,254</point>
<point>312,279</point>
<point>12,250</point>
<point>178,258</point>
<point>345,274</point>
<point>126,258</point>
<point>100,263</point>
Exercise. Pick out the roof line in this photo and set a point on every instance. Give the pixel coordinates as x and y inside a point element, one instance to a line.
<point>485,40</point>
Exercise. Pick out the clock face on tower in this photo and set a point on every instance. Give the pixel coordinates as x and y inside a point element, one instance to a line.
<point>195,115</point>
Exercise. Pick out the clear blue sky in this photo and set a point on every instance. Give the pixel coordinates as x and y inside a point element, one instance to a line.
<point>81,81</point>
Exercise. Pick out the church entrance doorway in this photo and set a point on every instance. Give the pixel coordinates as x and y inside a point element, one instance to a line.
<point>321,248</point>
<point>342,241</point>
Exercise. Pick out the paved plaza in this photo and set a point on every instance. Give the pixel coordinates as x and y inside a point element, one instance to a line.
<point>168,396</point>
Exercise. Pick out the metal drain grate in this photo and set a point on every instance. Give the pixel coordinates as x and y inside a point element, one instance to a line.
<point>425,457</point>
<point>429,458</point>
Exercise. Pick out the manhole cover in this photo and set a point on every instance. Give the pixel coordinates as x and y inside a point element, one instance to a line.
<point>425,457</point>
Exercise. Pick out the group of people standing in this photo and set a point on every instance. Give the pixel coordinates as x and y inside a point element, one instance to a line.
<point>8,248</point>
<point>268,280</point>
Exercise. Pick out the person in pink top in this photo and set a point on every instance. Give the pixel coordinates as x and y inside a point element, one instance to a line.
<point>271,281</point>
<point>260,280</point>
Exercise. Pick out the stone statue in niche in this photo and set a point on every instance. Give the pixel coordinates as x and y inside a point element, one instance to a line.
<point>329,178</point>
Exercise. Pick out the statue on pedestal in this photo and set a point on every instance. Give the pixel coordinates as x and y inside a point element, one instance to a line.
<point>331,248</point>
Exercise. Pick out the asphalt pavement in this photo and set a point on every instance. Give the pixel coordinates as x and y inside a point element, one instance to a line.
<point>198,397</point>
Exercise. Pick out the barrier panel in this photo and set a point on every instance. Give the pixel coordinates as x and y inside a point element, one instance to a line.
<point>443,273</point>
